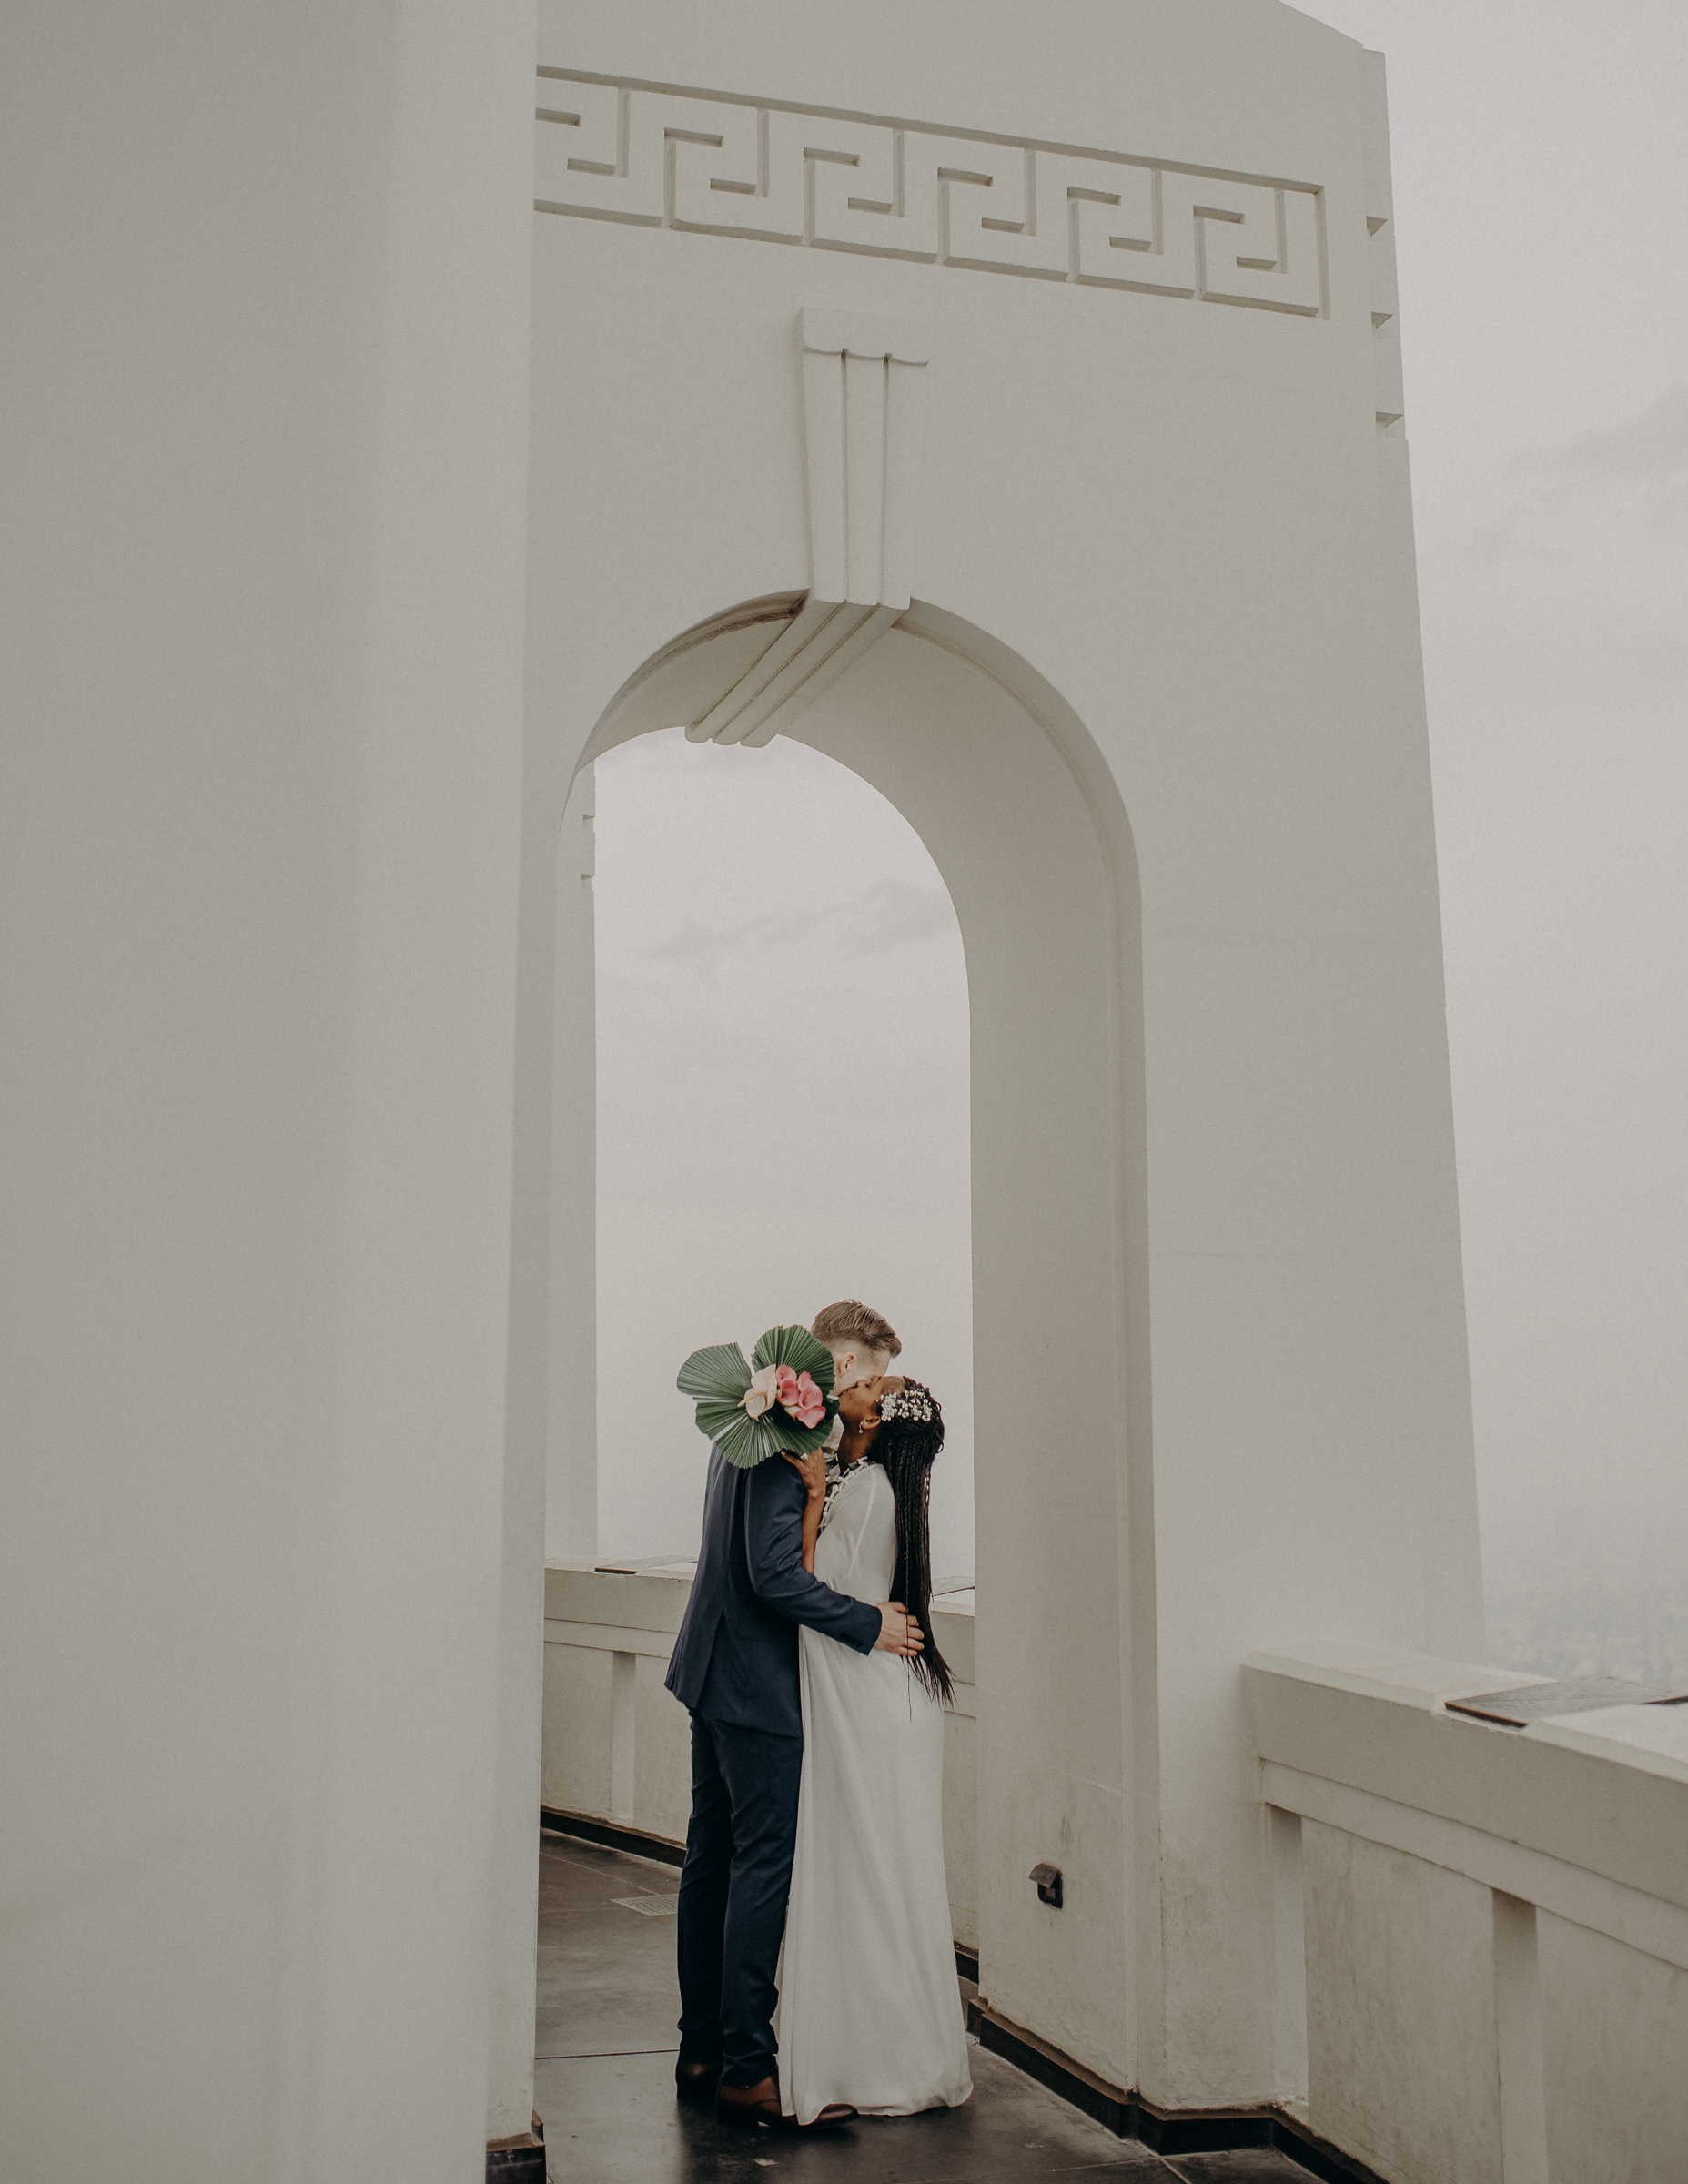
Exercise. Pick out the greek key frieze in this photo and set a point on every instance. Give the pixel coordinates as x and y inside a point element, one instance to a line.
<point>705,164</point>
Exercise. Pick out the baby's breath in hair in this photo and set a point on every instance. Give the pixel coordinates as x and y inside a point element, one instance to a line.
<point>913,1403</point>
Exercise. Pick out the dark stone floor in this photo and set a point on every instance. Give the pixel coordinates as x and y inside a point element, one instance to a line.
<point>604,2078</point>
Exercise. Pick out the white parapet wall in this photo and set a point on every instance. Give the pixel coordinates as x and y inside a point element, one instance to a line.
<point>1482,1937</point>
<point>1480,1934</point>
<point>617,1746</point>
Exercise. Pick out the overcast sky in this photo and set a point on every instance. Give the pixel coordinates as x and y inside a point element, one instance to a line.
<point>1541,203</point>
<point>1541,158</point>
<point>770,1139</point>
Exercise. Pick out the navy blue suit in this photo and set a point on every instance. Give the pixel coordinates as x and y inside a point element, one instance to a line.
<point>734,1666</point>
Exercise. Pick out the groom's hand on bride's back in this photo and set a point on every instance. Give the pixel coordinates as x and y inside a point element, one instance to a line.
<point>898,1630</point>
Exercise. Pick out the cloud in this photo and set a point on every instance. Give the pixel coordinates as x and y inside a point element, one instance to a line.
<point>698,947</point>
<point>887,916</point>
<point>1601,492</point>
<point>1651,446</point>
<point>897,913</point>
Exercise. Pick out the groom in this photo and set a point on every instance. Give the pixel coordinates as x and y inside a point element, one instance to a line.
<point>735,1668</point>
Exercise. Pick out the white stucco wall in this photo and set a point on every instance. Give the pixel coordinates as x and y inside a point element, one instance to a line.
<point>1495,1920</point>
<point>267,277</point>
<point>286,1013</point>
<point>1614,2030</point>
<point>1176,530</point>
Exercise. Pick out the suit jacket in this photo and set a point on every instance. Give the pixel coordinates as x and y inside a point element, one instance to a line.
<point>735,1659</point>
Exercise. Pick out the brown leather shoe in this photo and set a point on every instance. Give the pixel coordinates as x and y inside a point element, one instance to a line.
<point>695,2081</point>
<point>754,2107</point>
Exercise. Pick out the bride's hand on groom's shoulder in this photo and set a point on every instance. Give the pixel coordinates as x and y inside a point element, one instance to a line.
<point>898,1630</point>
<point>812,1470</point>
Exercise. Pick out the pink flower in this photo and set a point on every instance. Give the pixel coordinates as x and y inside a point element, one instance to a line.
<point>798,1394</point>
<point>794,1391</point>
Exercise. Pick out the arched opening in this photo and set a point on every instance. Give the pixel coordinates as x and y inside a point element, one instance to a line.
<point>782,1062</point>
<point>1024,822</point>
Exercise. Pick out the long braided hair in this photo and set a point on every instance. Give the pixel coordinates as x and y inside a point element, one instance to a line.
<point>911,1433</point>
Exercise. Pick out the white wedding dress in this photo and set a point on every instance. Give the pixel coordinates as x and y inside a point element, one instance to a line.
<point>870,2012</point>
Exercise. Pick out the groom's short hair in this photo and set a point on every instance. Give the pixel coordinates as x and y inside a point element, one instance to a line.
<point>840,1325</point>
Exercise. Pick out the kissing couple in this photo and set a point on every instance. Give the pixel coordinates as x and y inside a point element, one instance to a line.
<point>816,1698</point>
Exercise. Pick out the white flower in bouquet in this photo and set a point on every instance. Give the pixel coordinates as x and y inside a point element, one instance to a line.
<point>763,1391</point>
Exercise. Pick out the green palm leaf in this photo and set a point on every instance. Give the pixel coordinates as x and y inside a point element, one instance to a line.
<point>803,1352</point>
<point>716,1375</point>
<point>801,1440</point>
<point>717,1378</point>
<point>746,1441</point>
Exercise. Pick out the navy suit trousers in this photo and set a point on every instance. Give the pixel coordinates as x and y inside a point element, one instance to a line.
<point>733,1892</point>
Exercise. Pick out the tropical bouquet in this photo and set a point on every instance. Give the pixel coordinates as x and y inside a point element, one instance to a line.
<point>781,1402</point>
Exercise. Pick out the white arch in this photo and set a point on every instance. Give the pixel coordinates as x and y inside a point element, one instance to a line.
<point>1003,784</point>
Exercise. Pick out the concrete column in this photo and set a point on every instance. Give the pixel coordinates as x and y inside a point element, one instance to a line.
<point>550,1484</point>
<point>263,453</point>
<point>571,1449</point>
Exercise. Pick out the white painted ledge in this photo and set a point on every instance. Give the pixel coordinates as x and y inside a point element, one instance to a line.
<point>617,1746</point>
<point>1585,1817</point>
<point>638,1612</point>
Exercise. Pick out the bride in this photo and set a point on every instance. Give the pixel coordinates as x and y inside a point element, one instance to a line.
<point>870,2012</point>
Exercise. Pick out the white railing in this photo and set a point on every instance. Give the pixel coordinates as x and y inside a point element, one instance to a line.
<point>1481,1933</point>
<point>616,1745</point>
